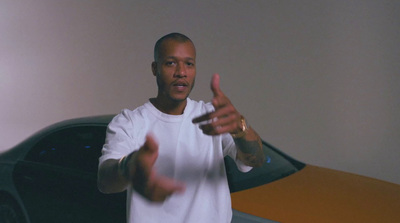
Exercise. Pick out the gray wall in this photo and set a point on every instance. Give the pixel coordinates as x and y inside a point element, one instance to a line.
<point>318,79</point>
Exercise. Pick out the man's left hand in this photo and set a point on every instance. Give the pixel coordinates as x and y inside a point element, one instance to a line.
<point>225,118</point>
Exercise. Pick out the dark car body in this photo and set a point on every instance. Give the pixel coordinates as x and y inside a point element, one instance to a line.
<point>52,177</point>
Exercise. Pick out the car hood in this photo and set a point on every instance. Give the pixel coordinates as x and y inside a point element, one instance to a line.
<point>317,194</point>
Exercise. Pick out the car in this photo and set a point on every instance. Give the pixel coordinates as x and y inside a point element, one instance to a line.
<point>52,177</point>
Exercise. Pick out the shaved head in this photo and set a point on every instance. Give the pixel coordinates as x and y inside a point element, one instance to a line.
<point>172,36</point>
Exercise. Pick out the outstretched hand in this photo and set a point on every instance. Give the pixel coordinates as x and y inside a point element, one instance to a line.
<point>225,118</point>
<point>144,178</point>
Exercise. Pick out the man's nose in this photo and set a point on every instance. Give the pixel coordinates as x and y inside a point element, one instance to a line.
<point>180,70</point>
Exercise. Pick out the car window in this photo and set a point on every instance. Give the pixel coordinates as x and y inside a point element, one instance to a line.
<point>77,147</point>
<point>276,166</point>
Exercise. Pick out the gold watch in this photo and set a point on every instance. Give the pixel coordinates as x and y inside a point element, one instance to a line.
<point>243,129</point>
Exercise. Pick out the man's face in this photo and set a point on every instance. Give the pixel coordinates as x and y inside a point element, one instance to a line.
<point>175,70</point>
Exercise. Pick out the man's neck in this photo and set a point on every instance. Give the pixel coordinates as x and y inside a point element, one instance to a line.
<point>169,107</point>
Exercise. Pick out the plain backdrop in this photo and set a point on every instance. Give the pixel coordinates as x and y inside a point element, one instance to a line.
<point>318,79</point>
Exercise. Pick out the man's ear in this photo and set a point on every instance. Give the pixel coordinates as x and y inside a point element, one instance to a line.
<point>154,68</point>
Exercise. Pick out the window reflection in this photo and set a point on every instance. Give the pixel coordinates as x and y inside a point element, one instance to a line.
<point>74,147</point>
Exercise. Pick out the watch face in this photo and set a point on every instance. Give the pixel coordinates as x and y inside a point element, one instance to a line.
<point>244,125</point>
<point>243,129</point>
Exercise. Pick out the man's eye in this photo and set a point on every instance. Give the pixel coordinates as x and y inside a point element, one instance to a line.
<point>169,63</point>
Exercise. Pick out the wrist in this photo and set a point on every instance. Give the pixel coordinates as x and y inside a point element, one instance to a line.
<point>123,167</point>
<point>243,129</point>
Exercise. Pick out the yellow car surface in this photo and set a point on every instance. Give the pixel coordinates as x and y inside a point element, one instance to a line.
<point>315,194</point>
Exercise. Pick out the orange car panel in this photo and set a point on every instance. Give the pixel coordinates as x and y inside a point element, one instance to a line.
<point>317,194</point>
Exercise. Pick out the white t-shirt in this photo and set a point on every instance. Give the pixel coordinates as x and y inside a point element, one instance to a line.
<point>185,154</point>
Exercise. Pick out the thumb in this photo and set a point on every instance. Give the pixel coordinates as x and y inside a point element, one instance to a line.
<point>151,144</point>
<point>215,88</point>
<point>151,148</point>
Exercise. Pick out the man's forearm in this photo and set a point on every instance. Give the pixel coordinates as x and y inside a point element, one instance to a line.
<point>250,149</point>
<point>109,179</point>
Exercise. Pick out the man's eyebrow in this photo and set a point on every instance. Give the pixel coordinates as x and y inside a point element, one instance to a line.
<point>186,58</point>
<point>190,58</point>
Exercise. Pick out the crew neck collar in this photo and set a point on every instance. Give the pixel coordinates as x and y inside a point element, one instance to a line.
<point>167,117</point>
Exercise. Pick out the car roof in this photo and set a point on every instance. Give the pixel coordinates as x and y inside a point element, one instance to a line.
<point>16,151</point>
<point>100,119</point>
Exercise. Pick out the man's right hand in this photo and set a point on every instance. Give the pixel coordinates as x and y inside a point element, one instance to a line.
<point>144,178</point>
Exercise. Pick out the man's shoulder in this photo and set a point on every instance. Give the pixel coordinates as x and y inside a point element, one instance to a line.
<point>200,105</point>
<point>129,114</point>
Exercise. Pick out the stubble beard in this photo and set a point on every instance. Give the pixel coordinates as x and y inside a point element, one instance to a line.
<point>168,95</point>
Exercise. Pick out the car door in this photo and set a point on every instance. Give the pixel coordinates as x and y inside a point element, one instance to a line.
<point>57,180</point>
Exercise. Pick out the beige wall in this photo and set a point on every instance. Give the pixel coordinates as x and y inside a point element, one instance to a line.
<point>318,79</point>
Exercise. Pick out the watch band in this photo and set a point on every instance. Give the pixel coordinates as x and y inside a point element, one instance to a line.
<point>122,168</point>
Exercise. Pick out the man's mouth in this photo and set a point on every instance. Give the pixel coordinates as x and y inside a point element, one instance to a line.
<point>180,86</point>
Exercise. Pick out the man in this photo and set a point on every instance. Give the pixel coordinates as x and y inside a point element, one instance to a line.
<point>168,153</point>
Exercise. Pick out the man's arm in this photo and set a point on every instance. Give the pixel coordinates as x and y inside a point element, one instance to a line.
<point>109,179</point>
<point>136,170</point>
<point>226,119</point>
<point>250,149</point>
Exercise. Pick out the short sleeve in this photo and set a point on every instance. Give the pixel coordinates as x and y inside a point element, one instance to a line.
<point>119,140</point>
